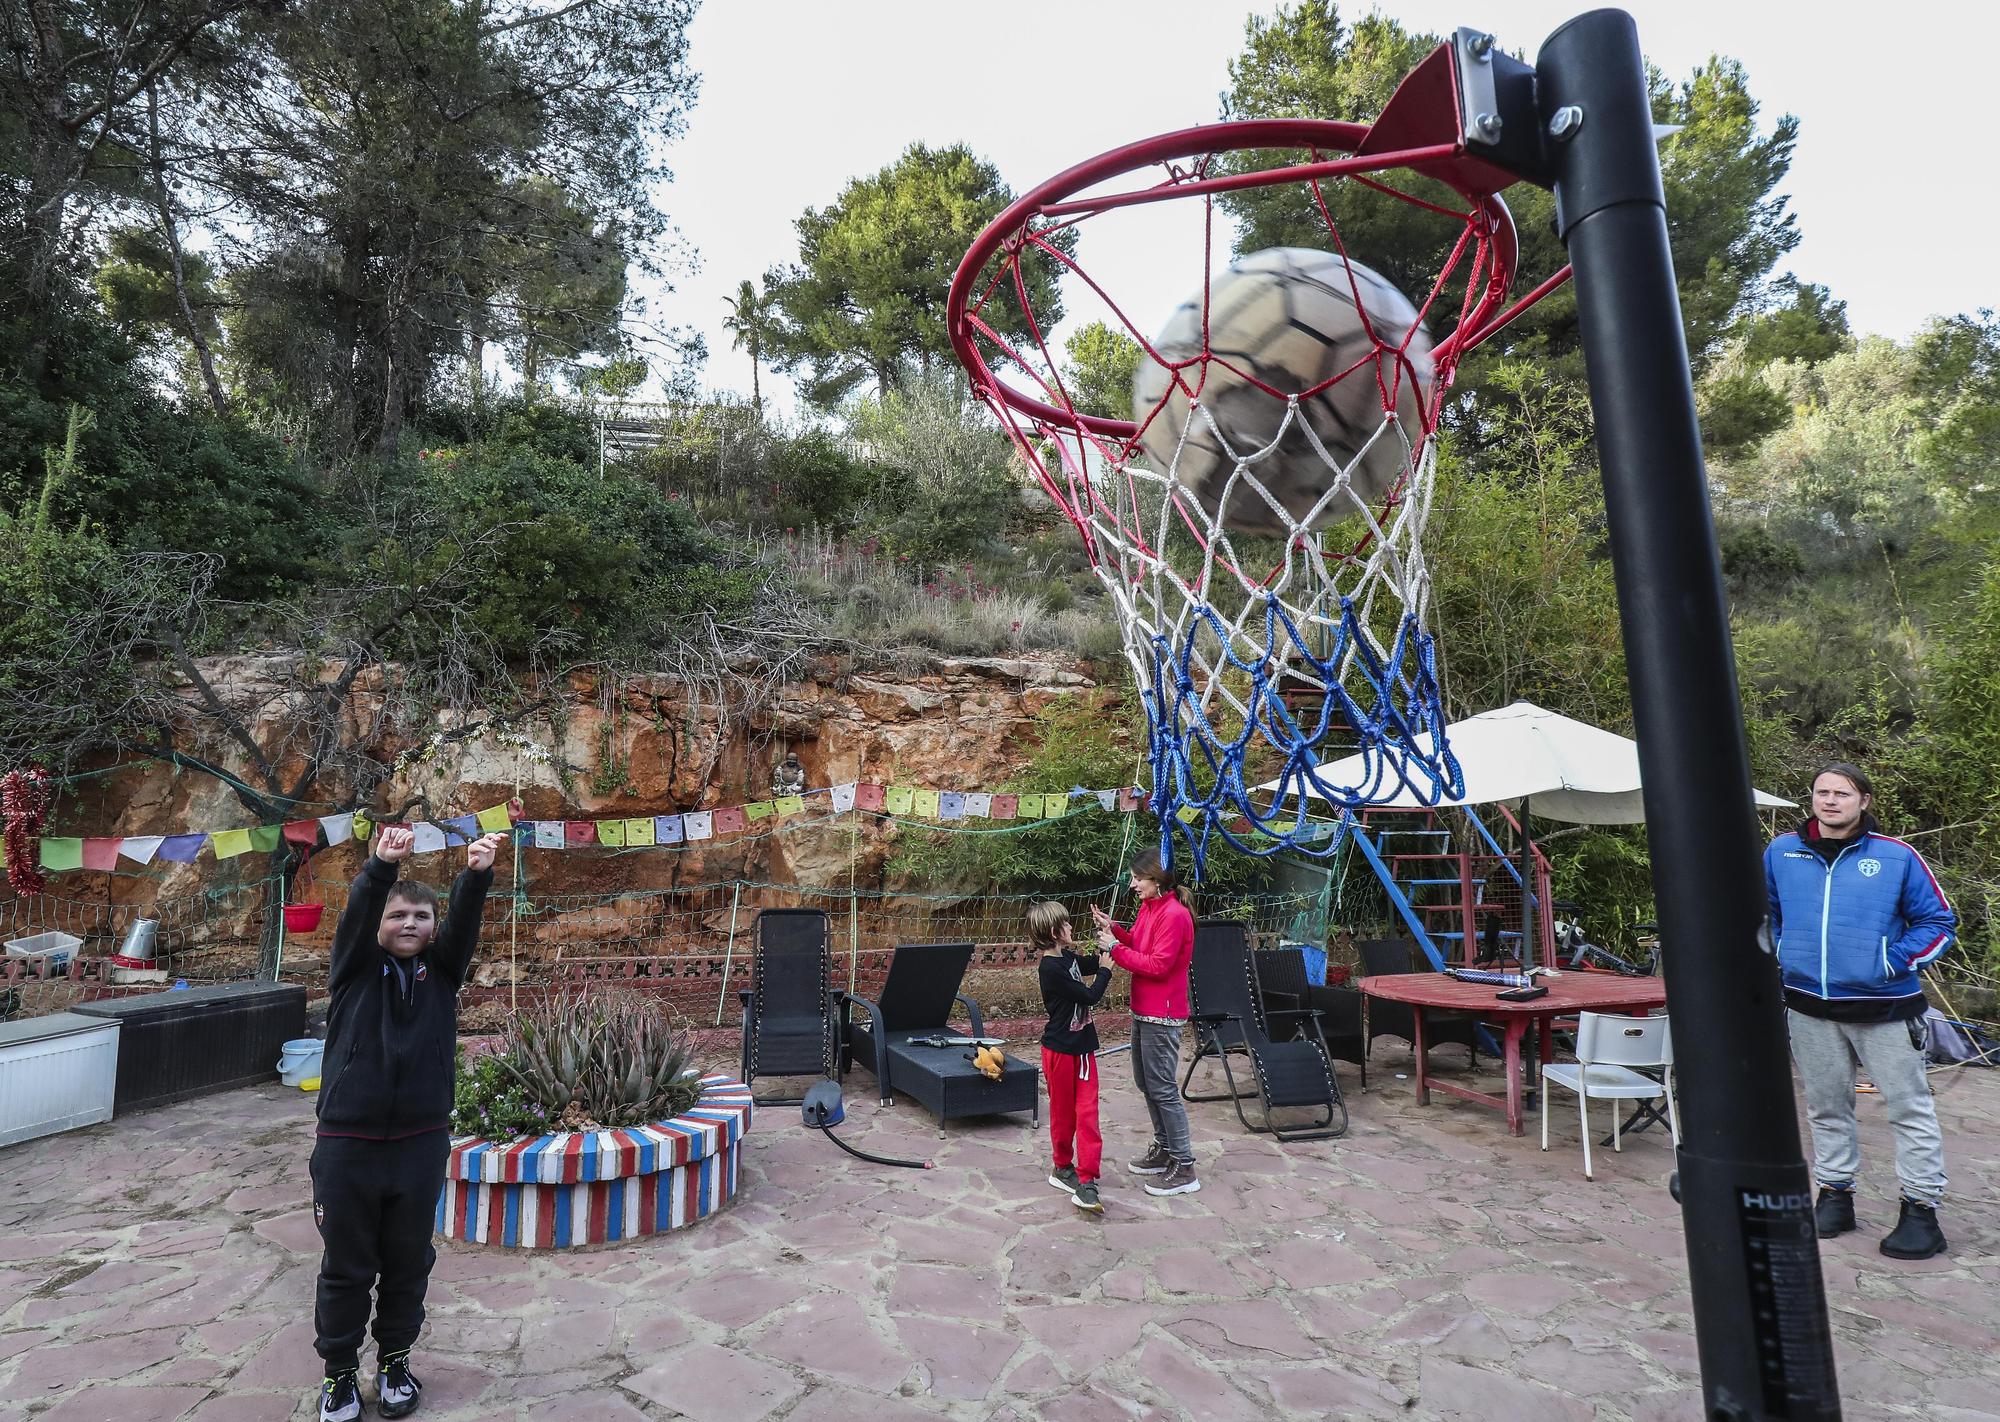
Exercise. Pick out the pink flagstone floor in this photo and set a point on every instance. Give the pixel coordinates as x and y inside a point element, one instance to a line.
<point>161,1267</point>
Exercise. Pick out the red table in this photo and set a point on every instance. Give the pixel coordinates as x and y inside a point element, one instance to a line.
<point>1568,995</point>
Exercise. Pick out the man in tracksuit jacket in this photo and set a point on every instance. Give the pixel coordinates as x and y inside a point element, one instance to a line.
<point>1855,914</point>
<point>384,1114</point>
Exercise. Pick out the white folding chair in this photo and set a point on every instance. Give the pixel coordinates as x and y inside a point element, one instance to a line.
<point>1608,1048</point>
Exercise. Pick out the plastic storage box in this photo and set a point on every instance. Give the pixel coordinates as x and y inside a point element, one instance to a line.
<point>56,1073</point>
<point>189,1043</point>
<point>55,949</point>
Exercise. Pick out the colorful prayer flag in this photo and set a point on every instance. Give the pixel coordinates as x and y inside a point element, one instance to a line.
<point>730,821</point>
<point>758,810</point>
<point>699,824</point>
<point>1004,807</point>
<point>869,797</point>
<point>1028,807</point>
<point>182,848</point>
<point>790,804</point>
<point>227,844</point>
<point>548,834</point>
<point>978,805</point>
<point>339,828</point>
<point>1055,806</point>
<point>576,832</point>
<point>305,832</point>
<point>100,853</point>
<point>951,805</point>
<point>62,853</point>
<point>429,839</point>
<point>843,798</point>
<point>140,848</point>
<point>1107,800</point>
<point>924,804</point>
<point>667,829</point>
<point>611,832</point>
<point>639,832</point>
<point>265,839</point>
<point>494,818</point>
<point>899,799</point>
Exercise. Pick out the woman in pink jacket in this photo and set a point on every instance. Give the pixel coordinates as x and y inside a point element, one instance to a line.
<point>1156,950</point>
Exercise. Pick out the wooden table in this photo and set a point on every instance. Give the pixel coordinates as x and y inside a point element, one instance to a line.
<point>1568,995</point>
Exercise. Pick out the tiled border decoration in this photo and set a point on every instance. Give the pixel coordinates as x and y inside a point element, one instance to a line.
<point>593,1187</point>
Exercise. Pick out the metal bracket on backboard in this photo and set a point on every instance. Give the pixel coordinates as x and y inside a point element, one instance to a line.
<point>1478,94</point>
<point>1499,118</point>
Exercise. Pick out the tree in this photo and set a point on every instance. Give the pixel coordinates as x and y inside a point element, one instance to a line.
<point>751,324</point>
<point>1958,383</point>
<point>867,295</point>
<point>1102,363</point>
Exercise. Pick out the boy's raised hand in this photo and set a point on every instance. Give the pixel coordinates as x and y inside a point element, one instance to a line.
<point>394,842</point>
<point>479,854</point>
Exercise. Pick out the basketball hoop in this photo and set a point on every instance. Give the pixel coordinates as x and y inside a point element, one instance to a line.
<point>1269,577</point>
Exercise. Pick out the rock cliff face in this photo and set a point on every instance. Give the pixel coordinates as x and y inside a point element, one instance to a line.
<point>634,746</point>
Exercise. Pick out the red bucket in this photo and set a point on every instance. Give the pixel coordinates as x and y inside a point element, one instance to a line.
<point>303,918</point>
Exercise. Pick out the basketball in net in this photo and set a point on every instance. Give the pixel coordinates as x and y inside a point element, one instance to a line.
<point>1305,369</point>
<point>1258,524</point>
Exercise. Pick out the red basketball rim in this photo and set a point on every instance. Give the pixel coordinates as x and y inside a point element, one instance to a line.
<point>1053,199</point>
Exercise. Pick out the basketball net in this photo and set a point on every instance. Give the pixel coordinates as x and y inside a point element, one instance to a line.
<point>1260,657</point>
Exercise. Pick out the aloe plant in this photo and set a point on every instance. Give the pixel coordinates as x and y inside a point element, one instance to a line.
<point>601,1059</point>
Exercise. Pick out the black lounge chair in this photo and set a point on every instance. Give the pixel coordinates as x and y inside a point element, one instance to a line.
<point>1281,977</point>
<point>790,1009</point>
<point>1230,1020</point>
<point>1388,957</point>
<point>916,1001</point>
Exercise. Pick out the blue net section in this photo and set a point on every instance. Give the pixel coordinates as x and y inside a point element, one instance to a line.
<point>1271,752</point>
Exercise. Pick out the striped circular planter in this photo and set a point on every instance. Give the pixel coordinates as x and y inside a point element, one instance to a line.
<point>593,1187</point>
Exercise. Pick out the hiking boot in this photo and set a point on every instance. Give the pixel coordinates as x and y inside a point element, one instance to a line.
<point>1085,1198</point>
<point>1916,1235</point>
<point>340,1398</point>
<point>1154,1162</point>
<point>1834,1214</point>
<point>1064,1177</point>
<point>1178,1180</point>
<point>397,1390</point>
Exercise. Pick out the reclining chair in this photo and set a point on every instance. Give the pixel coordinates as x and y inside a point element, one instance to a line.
<point>1230,1020</point>
<point>790,1008</point>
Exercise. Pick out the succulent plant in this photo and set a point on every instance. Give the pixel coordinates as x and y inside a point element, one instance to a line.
<point>601,1059</point>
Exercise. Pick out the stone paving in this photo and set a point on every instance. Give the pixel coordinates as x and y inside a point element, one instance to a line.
<point>161,1267</point>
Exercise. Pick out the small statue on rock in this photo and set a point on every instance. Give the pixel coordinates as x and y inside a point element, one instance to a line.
<point>789,778</point>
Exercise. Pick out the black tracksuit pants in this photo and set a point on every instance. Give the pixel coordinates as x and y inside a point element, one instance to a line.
<point>376,1205</point>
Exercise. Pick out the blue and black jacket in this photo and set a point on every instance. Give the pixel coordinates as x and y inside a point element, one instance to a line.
<point>1854,920</point>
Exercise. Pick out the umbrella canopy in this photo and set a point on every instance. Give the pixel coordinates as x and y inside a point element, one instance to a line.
<point>1572,771</point>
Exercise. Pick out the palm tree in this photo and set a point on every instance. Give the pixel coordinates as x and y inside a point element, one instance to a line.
<point>750,320</point>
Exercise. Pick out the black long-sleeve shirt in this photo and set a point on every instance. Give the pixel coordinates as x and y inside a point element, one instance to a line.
<point>1072,983</point>
<point>391,1028</point>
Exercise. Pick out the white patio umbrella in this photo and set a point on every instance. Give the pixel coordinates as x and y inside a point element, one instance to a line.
<point>1571,770</point>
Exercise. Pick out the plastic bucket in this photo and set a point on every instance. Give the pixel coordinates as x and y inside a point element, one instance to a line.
<point>303,918</point>
<point>300,1060</point>
<point>141,940</point>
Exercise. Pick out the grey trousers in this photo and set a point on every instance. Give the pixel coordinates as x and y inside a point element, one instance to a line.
<point>1156,1060</point>
<point>1826,1053</point>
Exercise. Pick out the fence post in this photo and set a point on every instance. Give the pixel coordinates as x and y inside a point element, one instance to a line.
<point>728,952</point>
<point>278,904</point>
<point>853,902</point>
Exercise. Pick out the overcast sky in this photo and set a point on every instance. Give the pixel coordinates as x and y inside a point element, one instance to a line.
<point>1889,182</point>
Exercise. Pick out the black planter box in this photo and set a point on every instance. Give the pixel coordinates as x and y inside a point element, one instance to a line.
<point>176,1045</point>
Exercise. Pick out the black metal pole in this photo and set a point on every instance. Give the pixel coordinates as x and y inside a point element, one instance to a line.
<point>1753,1261</point>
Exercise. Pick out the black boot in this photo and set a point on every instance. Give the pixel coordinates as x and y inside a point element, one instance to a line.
<point>1916,1235</point>
<point>1834,1214</point>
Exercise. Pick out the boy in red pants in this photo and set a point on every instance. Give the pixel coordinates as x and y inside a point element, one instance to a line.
<point>1072,983</point>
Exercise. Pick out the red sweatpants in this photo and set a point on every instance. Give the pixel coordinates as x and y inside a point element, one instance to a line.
<point>1073,1111</point>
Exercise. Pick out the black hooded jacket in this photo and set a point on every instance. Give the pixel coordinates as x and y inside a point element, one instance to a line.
<point>390,1035</point>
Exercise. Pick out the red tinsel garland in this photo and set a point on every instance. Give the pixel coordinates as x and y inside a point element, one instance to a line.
<point>24,801</point>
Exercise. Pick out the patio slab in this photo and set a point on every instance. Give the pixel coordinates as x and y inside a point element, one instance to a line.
<point>1427,1265</point>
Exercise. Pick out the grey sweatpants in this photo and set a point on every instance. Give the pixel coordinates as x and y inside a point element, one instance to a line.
<point>1156,1060</point>
<point>1893,1057</point>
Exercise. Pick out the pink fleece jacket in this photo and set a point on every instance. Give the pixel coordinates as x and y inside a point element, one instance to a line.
<point>1156,951</point>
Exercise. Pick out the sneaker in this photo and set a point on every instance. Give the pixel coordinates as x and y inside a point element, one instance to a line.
<point>1178,1180</point>
<point>397,1390</point>
<point>339,1398</point>
<point>1154,1162</point>
<point>1834,1214</point>
<point>1064,1177</point>
<point>1916,1235</point>
<point>1086,1198</point>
